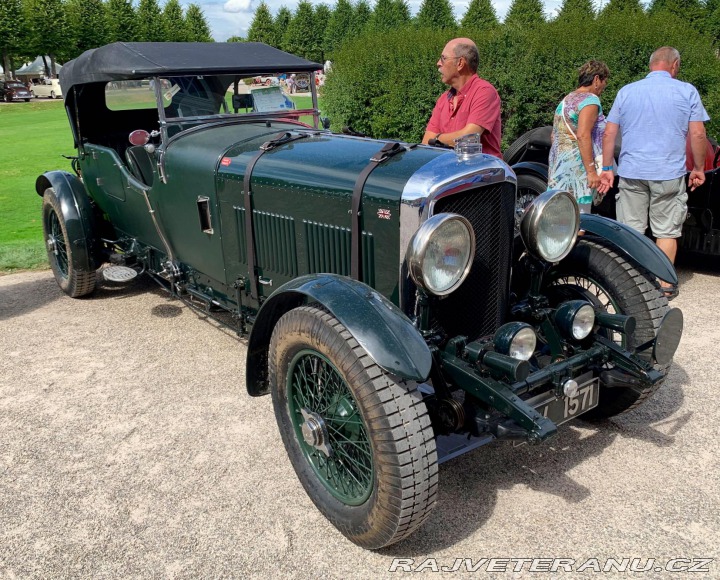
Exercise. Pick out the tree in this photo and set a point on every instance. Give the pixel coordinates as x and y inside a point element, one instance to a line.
<point>300,36</point>
<point>12,32</point>
<point>174,22</point>
<point>690,11</point>
<point>480,15</point>
<point>389,14</point>
<point>435,14</point>
<point>361,18</point>
<point>339,26</point>
<point>262,28</point>
<point>525,13</point>
<point>322,17</point>
<point>48,40</point>
<point>577,8</point>
<point>281,24</point>
<point>622,6</point>
<point>236,39</point>
<point>89,24</point>
<point>121,21</point>
<point>149,22</point>
<point>196,26</point>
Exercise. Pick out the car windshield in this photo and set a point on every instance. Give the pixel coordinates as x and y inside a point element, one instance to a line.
<point>16,85</point>
<point>187,100</point>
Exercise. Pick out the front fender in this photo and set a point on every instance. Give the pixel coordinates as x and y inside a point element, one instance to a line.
<point>380,327</point>
<point>77,212</point>
<point>634,245</point>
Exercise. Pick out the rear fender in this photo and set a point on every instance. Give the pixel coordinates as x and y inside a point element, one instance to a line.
<point>531,168</point>
<point>634,245</point>
<point>78,214</point>
<point>380,327</point>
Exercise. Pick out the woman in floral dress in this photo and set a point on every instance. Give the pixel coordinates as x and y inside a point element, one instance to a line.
<point>578,129</point>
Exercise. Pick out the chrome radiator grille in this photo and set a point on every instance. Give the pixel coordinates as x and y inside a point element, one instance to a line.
<point>479,306</point>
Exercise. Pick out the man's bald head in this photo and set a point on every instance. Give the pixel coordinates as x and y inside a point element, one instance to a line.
<point>665,58</point>
<point>467,49</point>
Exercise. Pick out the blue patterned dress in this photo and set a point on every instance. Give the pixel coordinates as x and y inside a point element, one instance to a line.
<point>567,170</point>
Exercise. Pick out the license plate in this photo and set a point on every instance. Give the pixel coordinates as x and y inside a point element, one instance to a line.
<point>561,410</point>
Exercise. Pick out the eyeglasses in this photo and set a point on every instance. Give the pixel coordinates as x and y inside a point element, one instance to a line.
<point>443,58</point>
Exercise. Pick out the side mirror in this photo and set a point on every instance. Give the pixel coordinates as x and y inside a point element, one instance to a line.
<point>139,137</point>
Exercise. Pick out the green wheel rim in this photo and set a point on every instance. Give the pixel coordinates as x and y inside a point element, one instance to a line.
<point>56,243</point>
<point>329,427</point>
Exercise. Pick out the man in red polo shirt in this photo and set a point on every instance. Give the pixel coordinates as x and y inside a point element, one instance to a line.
<point>472,105</point>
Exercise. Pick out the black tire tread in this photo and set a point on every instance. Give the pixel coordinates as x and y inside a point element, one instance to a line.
<point>398,426</point>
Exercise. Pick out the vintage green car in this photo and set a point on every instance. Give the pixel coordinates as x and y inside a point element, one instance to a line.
<point>394,310</point>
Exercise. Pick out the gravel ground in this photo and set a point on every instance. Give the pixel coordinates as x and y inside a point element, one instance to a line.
<point>129,448</point>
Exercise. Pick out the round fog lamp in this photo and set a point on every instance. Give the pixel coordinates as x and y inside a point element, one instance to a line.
<point>515,339</point>
<point>575,319</point>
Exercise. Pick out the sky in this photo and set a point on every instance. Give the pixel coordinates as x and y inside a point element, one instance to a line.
<point>232,17</point>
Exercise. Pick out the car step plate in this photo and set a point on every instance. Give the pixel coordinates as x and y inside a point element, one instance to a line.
<point>119,274</point>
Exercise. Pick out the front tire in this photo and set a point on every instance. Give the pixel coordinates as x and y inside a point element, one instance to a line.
<point>74,281</point>
<point>359,439</point>
<point>52,94</point>
<point>619,286</point>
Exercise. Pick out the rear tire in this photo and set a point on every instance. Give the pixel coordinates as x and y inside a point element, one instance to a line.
<point>75,282</point>
<point>359,439</point>
<point>528,188</point>
<point>52,94</point>
<point>622,287</point>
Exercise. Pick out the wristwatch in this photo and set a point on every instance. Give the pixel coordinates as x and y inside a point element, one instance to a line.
<point>435,141</point>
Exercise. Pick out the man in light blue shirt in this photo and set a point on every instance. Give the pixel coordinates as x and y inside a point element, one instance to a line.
<point>655,115</point>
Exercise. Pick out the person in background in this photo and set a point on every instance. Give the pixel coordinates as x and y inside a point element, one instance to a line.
<point>472,105</point>
<point>291,84</point>
<point>655,115</point>
<point>578,128</point>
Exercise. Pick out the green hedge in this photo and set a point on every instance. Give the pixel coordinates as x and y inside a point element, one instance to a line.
<point>385,85</point>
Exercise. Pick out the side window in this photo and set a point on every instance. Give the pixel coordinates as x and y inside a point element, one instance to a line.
<point>140,94</point>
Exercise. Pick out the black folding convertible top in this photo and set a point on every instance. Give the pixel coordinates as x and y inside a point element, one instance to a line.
<point>135,60</point>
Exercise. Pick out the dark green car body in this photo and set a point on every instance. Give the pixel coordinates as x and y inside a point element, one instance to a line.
<point>398,309</point>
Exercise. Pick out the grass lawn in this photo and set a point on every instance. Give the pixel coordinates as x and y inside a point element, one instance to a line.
<point>35,135</point>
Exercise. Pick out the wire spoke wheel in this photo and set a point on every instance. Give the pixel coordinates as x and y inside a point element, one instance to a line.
<point>594,271</point>
<point>359,439</point>
<point>329,427</point>
<point>70,261</point>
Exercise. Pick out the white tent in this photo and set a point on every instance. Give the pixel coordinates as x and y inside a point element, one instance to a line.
<point>36,68</point>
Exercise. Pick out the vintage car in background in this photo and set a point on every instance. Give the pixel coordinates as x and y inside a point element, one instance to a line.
<point>392,313</point>
<point>14,91</point>
<point>700,235</point>
<point>49,88</point>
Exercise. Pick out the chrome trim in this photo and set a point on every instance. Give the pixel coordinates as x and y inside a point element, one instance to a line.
<point>444,175</point>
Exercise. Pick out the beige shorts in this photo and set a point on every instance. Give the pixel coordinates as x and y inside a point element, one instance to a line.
<point>664,202</point>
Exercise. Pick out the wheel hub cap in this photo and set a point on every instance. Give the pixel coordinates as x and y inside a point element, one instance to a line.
<point>52,245</point>
<point>314,432</point>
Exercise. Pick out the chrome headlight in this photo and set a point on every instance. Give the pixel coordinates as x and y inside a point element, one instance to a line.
<point>575,319</point>
<point>515,339</point>
<point>441,252</point>
<point>550,225</point>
